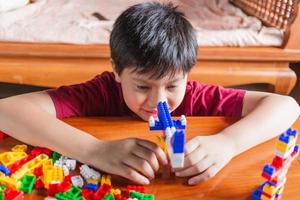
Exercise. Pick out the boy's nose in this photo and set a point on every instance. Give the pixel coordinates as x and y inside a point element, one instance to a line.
<point>157,97</point>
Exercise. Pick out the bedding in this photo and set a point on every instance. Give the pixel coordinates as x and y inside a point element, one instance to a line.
<point>217,22</point>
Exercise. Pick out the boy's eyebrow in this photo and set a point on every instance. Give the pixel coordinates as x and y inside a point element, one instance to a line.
<point>144,81</point>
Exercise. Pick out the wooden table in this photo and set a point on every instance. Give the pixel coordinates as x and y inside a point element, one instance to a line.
<point>236,181</point>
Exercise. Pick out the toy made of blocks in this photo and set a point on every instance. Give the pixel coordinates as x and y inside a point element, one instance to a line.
<point>8,158</point>
<point>19,148</point>
<point>9,182</point>
<point>29,166</point>
<point>4,170</point>
<point>89,173</point>
<point>91,186</point>
<point>27,183</point>
<point>141,196</point>
<point>174,133</point>
<point>11,194</point>
<point>285,145</point>
<point>77,181</point>
<point>105,179</point>
<point>2,135</point>
<point>102,191</point>
<point>18,164</point>
<point>53,175</point>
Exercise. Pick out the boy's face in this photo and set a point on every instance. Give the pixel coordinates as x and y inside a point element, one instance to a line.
<point>142,94</point>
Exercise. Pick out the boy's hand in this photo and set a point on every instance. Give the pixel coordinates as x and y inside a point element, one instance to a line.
<point>132,158</point>
<point>205,156</point>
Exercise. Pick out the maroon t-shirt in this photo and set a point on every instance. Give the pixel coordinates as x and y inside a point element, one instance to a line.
<point>102,96</point>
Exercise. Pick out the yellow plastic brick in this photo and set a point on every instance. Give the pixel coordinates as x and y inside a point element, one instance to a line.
<point>93,181</point>
<point>47,165</point>
<point>20,148</point>
<point>29,166</point>
<point>9,158</point>
<point>9,182</point>
<point>106,179</point>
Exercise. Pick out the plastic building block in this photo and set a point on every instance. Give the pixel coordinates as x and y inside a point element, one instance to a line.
<point>102,191</point>
<point>47,151</point>
<point>2,187</point>
<point>77,181</point>
<point>2,195</point>
<point>89,173</point>
<point>87,194</point>
<point>18,164</point>
<point>39,184</point>
<point>93,181</point>
<point>19,148</point>
<point>71,164</point>
<point>38,171</point>
<point>55,174</point>
<point>9,182</point>
<point>74,192</point>
<point>91,186</point>
<point>106,179</point>
<point>27,183</point>
<point>55,156</point>
<point>64,186</point>
<point>275,173</point>
<point>13,194</point>
<point>53,189</point>
<point>9,158</point>
<point>36,151</point>
<point>2,135</point>
<point>4,170</point>
<point>109,196</point>
<point>174,133</point>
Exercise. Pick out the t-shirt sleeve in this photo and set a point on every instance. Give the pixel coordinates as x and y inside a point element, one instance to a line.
<point>211,100</point>
<point>85,99</point>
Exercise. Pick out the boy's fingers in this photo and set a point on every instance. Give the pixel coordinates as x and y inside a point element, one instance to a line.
<point>198,168</point>
<point>191,145</point>
<point>209,173</point>
<point>133,175</point>
<point>160,154</point>
<point>193,158</point>
<point>148,155</point>
<point>140,165</point>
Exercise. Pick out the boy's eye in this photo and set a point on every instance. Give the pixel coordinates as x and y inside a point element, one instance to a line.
<point>141,87</point>
<point>171,86</point>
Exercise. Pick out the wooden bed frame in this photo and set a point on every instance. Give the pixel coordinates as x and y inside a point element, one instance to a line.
<point>52,65</point>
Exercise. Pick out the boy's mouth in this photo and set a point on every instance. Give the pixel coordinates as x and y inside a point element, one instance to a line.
<point>150,112</point>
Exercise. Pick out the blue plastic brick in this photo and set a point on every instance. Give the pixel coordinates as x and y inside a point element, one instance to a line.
<point>284,138</point>
<point>5,170</point>
<point>268,169</point>
<point>178,143</point>
<point>91,186</point>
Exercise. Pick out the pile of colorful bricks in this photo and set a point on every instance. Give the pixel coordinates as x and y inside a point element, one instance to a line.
<point>44,169</point>
<point>275,173</point>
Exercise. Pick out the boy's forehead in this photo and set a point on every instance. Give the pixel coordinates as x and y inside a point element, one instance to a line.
<point>171,77</point>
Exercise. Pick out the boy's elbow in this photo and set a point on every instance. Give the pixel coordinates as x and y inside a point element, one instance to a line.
<point>291,103</point>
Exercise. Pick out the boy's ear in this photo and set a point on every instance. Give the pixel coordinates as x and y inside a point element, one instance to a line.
<point>117,77</point>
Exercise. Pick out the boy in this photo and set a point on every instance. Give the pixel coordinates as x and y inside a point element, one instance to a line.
<point>153,48</point>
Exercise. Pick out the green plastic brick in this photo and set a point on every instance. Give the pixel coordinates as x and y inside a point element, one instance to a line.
<point>74,192</point>
<point>109,196</point>
<point>27,183</point>
<point>2,195</point>
<point>55,156</point>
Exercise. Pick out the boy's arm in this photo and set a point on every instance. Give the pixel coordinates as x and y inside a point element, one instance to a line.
<point>265,116</point>
<point>31,118</point>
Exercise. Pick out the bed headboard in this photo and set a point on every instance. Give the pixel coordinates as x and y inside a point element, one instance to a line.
<point>275,13</point>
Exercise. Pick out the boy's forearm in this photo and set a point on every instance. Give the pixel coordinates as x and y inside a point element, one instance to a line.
<point>30,124</point>
<point>271,117</point>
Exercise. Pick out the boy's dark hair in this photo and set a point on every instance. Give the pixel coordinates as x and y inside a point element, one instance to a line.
<point>154,39</point>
